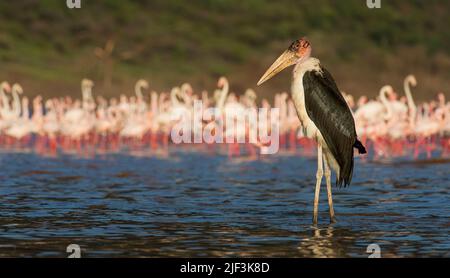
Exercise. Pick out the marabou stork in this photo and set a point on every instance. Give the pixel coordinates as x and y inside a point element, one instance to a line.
<point>324,114</point>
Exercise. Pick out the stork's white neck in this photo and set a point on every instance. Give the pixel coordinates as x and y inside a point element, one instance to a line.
<point>299,70</point>
<point>306,65</point>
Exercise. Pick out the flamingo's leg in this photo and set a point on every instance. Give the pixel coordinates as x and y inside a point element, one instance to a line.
<point>319,176</point>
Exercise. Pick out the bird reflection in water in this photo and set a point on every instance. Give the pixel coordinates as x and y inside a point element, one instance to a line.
<point>322,243</point>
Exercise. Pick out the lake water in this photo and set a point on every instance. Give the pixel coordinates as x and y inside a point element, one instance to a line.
<point>193,204</point>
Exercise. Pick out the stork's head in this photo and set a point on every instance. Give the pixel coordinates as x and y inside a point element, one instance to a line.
<point>297,52</point>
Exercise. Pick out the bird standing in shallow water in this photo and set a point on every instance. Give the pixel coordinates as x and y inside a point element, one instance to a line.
<point>324,115</point>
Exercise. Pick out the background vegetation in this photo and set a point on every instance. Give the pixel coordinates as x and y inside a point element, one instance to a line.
<point>50,48</point>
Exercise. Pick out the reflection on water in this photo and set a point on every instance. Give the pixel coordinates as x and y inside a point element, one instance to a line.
<point>196,205</point>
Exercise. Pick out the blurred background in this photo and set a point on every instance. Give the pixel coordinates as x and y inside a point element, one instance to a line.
<point>49,48</point>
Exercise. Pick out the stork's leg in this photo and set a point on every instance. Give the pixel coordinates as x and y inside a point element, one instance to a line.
<point>319,176</point>
<point>330,198</point>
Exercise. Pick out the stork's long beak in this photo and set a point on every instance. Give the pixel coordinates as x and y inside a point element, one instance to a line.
<point>288,58</point>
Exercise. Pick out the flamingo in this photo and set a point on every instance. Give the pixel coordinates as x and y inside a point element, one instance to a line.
<point>374,111</point>
<point>23,125</point>
<point>5,109</point>
<point>51,126</point>
<point>140,85</point>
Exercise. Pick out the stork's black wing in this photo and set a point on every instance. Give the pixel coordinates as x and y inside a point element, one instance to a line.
<point>329,111</point>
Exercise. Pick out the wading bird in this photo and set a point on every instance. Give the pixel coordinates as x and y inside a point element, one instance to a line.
<point>324,114</point>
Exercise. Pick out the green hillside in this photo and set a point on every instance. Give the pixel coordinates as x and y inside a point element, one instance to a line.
<point>50,48</point>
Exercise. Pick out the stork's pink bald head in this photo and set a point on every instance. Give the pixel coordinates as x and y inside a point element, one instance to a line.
<point>298,51</point>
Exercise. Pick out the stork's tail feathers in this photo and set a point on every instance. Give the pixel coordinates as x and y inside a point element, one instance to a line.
<point>358,145</point>
<point>346,167</point>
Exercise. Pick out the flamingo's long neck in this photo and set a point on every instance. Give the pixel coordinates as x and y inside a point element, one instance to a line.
<point>411,105</point>
<point>185,96</point>
<point>385,102</point>
<point>138,90</point>
<point>139,94</point>
<point>154,103</point>
<point>205,99</point>
<point>87,97</point>
<point>223,96</point>
<point>16,102</point>
<point>173,96</point>
<point>5,102</point>
<point>283,110</point>
<point>25,111</point>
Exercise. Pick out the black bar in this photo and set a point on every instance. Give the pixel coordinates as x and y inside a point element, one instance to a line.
<point>302,267</point>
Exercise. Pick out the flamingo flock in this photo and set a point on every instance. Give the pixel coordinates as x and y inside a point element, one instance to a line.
<point>390,125</point>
